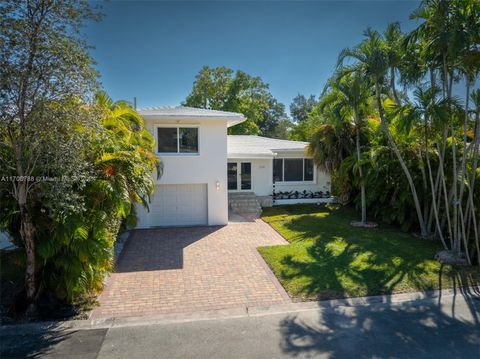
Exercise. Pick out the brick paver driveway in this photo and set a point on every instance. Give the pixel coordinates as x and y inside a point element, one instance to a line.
<point>174,270</point>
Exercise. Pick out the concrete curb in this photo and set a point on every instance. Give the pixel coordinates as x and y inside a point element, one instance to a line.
<point>237,312</point>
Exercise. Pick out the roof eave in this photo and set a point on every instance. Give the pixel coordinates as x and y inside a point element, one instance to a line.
<point>250,156</point>
<point>231,120</point>
<point>290,149</point>
<point>235,121</point>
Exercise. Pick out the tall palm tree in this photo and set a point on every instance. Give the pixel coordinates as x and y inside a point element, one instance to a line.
<point>349,95</point>
<point>449,34</point>
<point>393,41</point>
<point>371,62</point>
<point>427,113</point>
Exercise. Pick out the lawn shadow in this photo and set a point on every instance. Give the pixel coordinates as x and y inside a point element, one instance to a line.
<point>420,329</point>
<point>329,259</point>
<point>343,261</point>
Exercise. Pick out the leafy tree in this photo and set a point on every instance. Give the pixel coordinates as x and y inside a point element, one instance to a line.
<point>304,130</point>
<point>44,63</point>
<point>77,249</point>
<point>221,89</point>
<point>282,130</point>
<point>71,167</point>
<point>301,107</point>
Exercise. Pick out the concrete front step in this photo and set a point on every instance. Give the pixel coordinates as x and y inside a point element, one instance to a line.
<point>244,202</point>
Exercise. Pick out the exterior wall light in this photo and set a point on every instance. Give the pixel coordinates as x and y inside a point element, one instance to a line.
<point>217,185</point>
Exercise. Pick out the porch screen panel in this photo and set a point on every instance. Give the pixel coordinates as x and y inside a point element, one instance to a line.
<point>308,170</point>
<point>278,170</point>
<point>293,171</point>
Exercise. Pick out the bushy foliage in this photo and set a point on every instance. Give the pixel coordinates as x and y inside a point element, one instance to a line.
<point>76,231</point>
<point>78,250</point>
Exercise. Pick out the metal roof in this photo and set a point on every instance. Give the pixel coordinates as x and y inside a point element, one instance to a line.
<point>175,112</point>
<point>257,146</point>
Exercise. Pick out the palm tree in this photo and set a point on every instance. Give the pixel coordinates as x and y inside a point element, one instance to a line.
<point>331,141</point>
<point>428,112</point>
<point>393,41</point>
<point>371,62</point>
<point>449,36</point>
<point>471,210</point>
<point>129,158</point>
<point>349,95</point>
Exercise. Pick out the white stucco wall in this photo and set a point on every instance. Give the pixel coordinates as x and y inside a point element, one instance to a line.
<point>208,167</point>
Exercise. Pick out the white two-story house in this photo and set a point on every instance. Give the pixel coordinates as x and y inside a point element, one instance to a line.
<point>202,165</point>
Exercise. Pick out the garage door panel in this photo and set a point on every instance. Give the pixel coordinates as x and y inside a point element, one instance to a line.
<point>179,205</point>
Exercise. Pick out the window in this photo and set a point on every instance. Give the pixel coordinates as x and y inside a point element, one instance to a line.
<point>177,139</point>
<point>277,169</point>
<point>293,170</point>
<point>188,140</point>
<point>167,139</point>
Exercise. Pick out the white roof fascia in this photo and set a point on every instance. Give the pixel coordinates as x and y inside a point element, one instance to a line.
<point>289,149</point>
<point>231,121</point>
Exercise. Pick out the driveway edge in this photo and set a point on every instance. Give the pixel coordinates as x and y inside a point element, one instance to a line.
<point>237,312</point>
<point>280,289</point>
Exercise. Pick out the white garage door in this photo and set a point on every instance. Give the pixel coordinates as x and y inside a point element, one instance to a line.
<point>179,205</point>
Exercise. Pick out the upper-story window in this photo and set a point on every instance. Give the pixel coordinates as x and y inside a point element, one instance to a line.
<point>177,140</point>
<point>293,170</point>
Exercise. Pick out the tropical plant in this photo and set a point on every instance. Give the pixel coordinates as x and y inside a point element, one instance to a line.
<point>348,94</point>
<point>77,249</point>
<point>433,135</point>
<point>372,62</point>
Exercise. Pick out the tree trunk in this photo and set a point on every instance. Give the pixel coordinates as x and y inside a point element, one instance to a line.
<point>463,168</point>
<point>471,182</point>
<point>464,153</point>
<point>360,172</point>
<point>392,85</point>
<point>27,232</point>
<point>423,229</point>
<point>445,192</point>
<point>456,240</point>
<point>432,185</point>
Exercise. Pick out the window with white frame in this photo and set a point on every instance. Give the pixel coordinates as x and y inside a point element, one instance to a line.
<point>293,170</point>
<point>177,140</point>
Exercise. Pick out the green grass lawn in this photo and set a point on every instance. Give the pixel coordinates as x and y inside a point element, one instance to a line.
<point>327,258</point>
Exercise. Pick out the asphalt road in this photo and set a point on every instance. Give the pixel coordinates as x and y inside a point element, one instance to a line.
<point>448,327</point>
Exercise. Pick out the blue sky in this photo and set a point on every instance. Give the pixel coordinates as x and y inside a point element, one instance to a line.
<point>152,50</point>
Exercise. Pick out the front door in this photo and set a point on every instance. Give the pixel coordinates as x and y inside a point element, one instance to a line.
<point>239,176</point>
